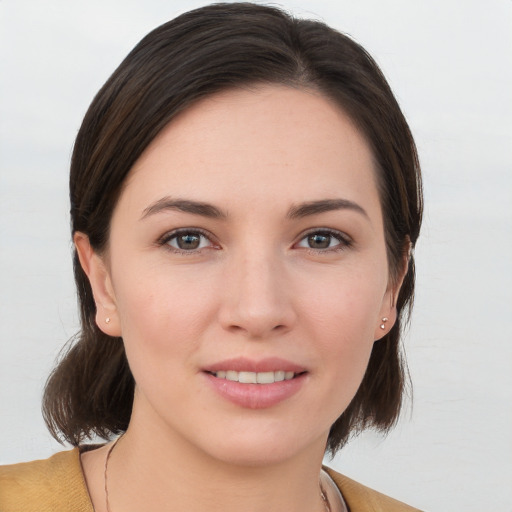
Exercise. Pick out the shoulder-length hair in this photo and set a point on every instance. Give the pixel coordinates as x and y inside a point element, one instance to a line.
<point>202,52</point>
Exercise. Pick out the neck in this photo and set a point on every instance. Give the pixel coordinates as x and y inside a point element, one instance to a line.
<point>160,471</point>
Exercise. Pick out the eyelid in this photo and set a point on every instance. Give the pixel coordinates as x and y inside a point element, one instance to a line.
<point>344,239</point>
<point>169,235</point>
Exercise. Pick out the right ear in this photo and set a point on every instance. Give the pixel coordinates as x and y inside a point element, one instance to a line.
<point>107,318</point>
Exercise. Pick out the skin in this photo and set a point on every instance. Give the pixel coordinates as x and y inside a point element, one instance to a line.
<point>254,288</point>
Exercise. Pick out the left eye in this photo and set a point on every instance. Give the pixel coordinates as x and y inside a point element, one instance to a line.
<point>188,241</point>
<point>321,240</point>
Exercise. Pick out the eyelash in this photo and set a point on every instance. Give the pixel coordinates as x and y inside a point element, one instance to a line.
<point>165,239</point>
<point>344,241</point>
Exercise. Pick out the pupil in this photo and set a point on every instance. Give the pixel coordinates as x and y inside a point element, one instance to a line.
<point>188,242</point>
<point>319,241</point>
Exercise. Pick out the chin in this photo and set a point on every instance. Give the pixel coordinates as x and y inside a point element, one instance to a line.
<point>264,450</point>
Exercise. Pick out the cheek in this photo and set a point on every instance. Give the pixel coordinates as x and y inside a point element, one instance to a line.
<point>346,304</point>
<point>161,313</point>
<point>341,317</point>
<point>337,319</point>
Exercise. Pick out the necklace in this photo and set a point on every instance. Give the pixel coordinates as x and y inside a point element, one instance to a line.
<point>109,453</point>
<point>323,494</point>
<point>325,499</point>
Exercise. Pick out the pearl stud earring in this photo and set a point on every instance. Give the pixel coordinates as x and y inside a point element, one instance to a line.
<point>383,324</point>
<point>107,320</point>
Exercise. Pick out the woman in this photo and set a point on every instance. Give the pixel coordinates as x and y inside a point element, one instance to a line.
<point>245,195</point>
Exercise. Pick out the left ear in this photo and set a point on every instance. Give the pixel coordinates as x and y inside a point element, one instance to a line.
<point>388,312</point>
<point>94,266</point>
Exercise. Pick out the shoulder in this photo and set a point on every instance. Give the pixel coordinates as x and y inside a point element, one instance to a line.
<point>360,498</point>
<point>55,484</point>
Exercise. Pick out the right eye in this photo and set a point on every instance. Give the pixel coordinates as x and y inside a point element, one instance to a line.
<point>187,240</point>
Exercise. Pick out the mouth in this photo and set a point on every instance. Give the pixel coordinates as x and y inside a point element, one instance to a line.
<point>256,390</point>
<point>256,383</point>
<point>245,377</point>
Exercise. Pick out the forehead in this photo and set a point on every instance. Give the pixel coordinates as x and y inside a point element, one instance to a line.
<point>274,143</point>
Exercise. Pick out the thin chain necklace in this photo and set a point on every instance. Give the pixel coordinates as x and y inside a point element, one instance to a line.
<point>325,499</point>
<point>323,495</point>
<point>109,453</point>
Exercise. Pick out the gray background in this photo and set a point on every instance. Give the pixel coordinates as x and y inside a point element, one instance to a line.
<point>449,63</point>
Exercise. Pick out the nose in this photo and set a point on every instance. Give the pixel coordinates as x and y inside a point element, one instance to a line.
<point>257,299</point>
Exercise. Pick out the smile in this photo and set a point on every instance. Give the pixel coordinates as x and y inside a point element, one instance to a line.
<point>256,390</point>
<point>254,377</point>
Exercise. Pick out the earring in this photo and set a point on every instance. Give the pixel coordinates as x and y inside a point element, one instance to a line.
<point>107,320</point>
<point>383,324</point>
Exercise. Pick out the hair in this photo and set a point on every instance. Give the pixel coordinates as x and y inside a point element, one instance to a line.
<point>202,52</point>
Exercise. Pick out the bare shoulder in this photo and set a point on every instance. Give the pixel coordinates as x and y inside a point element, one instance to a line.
<point>360,498</point>
<point>44,485</point>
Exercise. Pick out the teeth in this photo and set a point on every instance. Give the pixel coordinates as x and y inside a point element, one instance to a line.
<point>232,375</point>
<point>247,377</point>
<point>279,376</point>
<point>265,377</point>
<point>254,377</point>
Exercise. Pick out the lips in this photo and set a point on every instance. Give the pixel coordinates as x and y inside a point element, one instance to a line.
<point>256,384</point>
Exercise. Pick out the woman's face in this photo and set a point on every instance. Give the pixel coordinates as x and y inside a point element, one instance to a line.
<point>246,248</point>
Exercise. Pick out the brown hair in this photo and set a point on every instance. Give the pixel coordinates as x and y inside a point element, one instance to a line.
<point>193,56</point>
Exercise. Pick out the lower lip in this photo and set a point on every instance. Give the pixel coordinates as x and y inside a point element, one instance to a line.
<point>256,396</point>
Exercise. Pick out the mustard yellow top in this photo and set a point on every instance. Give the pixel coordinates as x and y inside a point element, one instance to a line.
<point>57,484</point>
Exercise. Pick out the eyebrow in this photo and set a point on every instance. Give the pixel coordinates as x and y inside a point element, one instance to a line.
<point>208,210</point>
<point>324,205</point>
<point>184,205</point>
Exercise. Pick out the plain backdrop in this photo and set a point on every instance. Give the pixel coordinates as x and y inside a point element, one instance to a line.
<point>450,65</point>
